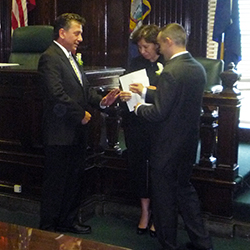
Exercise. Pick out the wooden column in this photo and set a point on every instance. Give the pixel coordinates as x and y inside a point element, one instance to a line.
<point>208,137</point>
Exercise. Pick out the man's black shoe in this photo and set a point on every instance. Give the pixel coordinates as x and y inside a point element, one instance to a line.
<point>190,246</point>
<point>76,229</point>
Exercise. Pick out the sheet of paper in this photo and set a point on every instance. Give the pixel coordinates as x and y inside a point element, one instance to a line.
<point>139,76</point>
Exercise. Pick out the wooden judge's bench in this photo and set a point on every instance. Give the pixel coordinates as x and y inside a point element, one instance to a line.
<point>21,151</point>
<point>106,179</point>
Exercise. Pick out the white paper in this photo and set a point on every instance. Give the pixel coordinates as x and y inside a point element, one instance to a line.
<point>139,76</point>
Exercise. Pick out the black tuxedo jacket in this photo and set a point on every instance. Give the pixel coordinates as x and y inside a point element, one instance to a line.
<point>176,112</point>
<point>65,99</point>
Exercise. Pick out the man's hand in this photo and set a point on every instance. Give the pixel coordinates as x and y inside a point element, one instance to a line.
<point>136,88</point>
<point>125,96</point>
<point>86,118</point>
<point>110,97</point>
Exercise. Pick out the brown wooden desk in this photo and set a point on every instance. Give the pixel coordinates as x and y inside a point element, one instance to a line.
<point>18,237</point>
<point>21,151</point>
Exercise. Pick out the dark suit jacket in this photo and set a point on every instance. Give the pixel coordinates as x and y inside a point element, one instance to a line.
<point>65,99</point>
<point>176,112</point>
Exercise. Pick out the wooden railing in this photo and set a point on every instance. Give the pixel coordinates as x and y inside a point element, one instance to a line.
<point>216,174</point>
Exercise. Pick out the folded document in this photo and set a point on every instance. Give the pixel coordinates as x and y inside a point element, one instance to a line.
<point>139,76</point>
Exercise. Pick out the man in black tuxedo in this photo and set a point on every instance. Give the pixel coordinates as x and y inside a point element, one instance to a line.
<point>65,120</point>
<point>175,113</point>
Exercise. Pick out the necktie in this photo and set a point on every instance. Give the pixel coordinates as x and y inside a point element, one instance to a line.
<point>73,63</point>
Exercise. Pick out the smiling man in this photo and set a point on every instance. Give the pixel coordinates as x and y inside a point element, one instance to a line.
<point>65,120</point>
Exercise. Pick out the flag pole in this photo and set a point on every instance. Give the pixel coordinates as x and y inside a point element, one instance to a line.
<point>222,46</point>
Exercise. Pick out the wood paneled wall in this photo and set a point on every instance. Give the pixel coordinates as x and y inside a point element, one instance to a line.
<point>106,32</point>
<point>5,9</point>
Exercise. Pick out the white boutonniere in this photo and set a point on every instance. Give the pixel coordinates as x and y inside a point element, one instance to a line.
<point>160,68</point>
<point>79,58</point>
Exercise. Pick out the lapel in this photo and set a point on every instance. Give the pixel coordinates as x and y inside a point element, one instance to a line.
<point>65,59</point>
<point>68,64</point>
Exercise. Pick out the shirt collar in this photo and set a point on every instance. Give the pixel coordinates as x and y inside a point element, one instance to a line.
<point>67,53</point>
<point>178,54</point>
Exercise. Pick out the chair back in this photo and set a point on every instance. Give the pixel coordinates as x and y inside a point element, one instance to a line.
<point>213,68</point>
<point>28,43</point>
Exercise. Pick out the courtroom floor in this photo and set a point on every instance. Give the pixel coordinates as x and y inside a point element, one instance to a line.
<point>122,232</point>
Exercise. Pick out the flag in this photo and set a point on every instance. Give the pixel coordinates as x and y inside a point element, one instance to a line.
<point>227,31</point>
<point>139,9</point>
<point>19,14</point>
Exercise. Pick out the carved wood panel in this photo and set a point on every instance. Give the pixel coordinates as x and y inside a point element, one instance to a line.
<point>191,14</point>
<point>45,12</point>
<point>5,9</point>
<point>106,32</point>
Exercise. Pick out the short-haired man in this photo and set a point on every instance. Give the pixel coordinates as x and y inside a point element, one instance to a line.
<point>175,113</point>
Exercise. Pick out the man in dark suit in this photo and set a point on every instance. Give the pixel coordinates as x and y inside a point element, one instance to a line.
<point>175,113</point>
<point>66,96</point>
